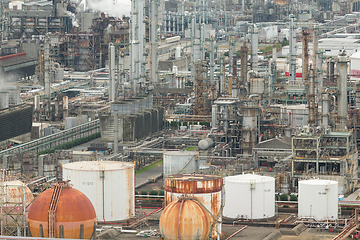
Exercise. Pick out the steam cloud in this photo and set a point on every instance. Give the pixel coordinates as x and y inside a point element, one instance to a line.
<point>114,8</point>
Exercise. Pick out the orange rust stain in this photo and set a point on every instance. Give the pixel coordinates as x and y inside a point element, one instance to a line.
<point>193,183</point>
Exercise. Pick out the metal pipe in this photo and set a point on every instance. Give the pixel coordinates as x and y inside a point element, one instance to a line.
<point>243,58</point>
<point>311,98</point>
<point>292,52</point>
<point>254,49</point>
<point>212,63</point>
<point>305,49</point>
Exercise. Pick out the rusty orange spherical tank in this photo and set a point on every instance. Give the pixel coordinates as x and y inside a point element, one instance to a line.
<point>74,215</point>
<point>184,219</point>
<point>208,189</point>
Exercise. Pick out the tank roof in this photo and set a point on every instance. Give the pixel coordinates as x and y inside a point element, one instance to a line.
<point>249,178</point>
<point>98,165</point>
<point>318,182</point>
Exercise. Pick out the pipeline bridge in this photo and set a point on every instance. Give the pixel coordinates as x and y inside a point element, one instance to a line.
<point>55,139</point>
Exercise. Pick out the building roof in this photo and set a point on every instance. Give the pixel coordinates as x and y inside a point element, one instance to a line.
<point>275,143</point>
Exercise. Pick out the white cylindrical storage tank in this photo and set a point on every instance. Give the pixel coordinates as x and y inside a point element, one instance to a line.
<point>109,185</point>
<point>249,196</point>
<point>176,162</point>
<point>206,188</point>
<point>318,199</point>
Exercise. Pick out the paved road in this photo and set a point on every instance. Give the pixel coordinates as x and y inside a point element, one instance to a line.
<point>145,176</point>
<point>353,196</point>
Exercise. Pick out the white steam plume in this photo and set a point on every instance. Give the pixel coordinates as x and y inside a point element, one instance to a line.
<point>114,8</point>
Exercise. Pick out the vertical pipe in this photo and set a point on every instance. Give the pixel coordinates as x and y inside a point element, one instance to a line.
<point>311,98</point>
<point>325,109</point>
<point>342,105</point>
<point>202,35</point>
<point>116,131</point>
<point>230,86</point>
<point>47,73</point>
<point>111,72</point>
<point>212,63</point>
<point>234,79</point>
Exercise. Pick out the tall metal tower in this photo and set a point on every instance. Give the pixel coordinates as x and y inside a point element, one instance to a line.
<point>292,51</point>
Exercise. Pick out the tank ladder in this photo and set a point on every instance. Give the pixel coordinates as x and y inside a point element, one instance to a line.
<point>52,208</point>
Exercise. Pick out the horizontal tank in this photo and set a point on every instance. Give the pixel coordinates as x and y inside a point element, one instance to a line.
<point>249,196</point>
<point>206,188</point>
<point>109,186</point>
<point>318,199</point>
<point>176,162</point>
<point>205,143</point>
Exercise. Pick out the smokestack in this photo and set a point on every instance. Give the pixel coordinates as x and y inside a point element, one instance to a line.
<point>111,72</point>
<point>342,103</point>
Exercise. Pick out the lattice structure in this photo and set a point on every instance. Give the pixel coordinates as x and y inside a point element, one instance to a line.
<point>202,90</point>
<point>15,197</point>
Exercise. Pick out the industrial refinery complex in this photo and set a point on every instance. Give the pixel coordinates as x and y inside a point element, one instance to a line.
<point>180,120</point>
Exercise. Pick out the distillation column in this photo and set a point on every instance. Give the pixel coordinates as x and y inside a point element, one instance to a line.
<point>342,84</point>
<point>292,51</point>
<point>153,39</point>
<point>212,63</point>
<point>311,98</point>
<point>325,107</point>
<point>254,49</point>
<point>243,58</point>
<point>250,111</point>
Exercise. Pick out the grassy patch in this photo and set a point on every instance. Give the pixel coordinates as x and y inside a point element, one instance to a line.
<point>191,148</point>
<point>148,167</point>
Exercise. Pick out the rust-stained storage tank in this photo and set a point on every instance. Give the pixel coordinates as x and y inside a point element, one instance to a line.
<point>206,188</point>
<point>108,184</point>
<point>73,214</point>
<point>184,219</point>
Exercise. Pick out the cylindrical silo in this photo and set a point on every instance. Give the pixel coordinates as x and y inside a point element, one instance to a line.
<point>206,188</point>
<point>109,186</point>
<point>249,196</point>
<point>176,162</point>
<point>318,199</point>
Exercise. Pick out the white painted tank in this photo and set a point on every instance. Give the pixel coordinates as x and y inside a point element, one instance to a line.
<point>318,199</point>
<point>109,186</point>
<point>249,196</point>
<point>176,162</point>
